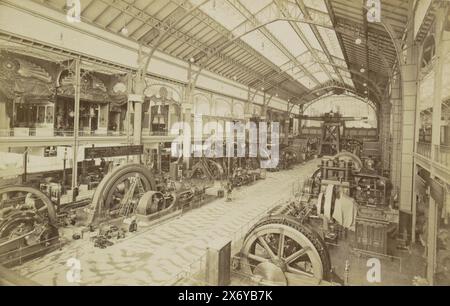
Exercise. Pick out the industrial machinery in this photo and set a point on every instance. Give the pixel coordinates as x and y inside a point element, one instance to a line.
<point>352,145</point>
<point>207,168</point>
<point>333,125</point>
<point>283,249</point>
<point>241,177</point>
<point>28,225</point>
<point>132,189</point>
<point>289,245</point>
<point>289,156</point>
<point>347,170</point>
<point>30,221</point>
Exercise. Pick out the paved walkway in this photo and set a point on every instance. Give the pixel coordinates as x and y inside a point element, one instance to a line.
<point>155,256</point>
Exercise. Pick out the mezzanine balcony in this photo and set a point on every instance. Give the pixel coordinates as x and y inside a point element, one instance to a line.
<point>442,155</point>
<point>23,137</point>
<point>424,149</point>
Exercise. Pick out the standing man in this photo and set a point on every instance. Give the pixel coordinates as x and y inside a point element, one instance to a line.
<point>229,189</point>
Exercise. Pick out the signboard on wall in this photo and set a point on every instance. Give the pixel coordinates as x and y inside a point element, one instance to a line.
<point>99,152</point>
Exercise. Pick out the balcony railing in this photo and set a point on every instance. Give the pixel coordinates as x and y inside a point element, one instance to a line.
<point>424,149</point>
<point>49,132</point>
<point>442,155</point>
<point>155,133</point>
<point>38,132</point>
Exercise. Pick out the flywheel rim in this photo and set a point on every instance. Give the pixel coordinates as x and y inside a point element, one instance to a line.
<point>283,261</point>
<point>101,200</point>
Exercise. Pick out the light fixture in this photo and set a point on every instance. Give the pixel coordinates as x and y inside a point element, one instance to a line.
<point>365,84</point>
<point>124,31</point>
<point>262,88</point>
<point>358,41</point>
<point>192,59</point>
<point>276,95</point>
<point>365,92</point>
<point>362,70</point>
<point>235,78</point>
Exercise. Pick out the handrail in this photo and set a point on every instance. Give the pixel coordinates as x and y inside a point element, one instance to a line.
<point>31,132</point>
<point>424,149</point>
<point>442,155</point>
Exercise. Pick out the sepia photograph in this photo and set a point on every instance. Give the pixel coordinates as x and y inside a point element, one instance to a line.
<point>222,149</point>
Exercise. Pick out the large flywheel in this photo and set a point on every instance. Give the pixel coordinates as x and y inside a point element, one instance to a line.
<point>27,220</point>
<point>119,192</point>
<point>347,156</point>
<point>281,243</point>
<point>207,168</point>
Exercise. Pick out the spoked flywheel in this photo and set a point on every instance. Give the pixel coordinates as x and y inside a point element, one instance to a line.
<point>119,192</point>
<point>281,243</point>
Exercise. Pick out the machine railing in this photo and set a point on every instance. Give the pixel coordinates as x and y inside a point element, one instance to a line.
<point>424,149</point>
<point>442,155</point>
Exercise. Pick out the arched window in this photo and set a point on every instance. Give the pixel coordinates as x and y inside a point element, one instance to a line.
<point>238,110</point>
<point>201,105</point>
<point>223,108</point>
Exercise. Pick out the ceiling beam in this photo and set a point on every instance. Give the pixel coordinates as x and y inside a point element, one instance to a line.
<point>305,11</point>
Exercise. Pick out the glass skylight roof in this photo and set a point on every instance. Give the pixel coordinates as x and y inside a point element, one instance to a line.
<point>316,4</point>
<point>348,81</point>
<point>241,16</point>
<point>264,46</point>
<point>309,35</point>
<point>345,73</point>
<point>321,55</point>
<point>322,77</point>
<point>287,36</point>
<point>314,67</point>
<point>305,58</point>
<point>306,81</point>
<point>222,12</point>
<point>330,39</point>
<point>255,6</point>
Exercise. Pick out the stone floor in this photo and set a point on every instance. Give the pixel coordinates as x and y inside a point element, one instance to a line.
<point>158,255</point>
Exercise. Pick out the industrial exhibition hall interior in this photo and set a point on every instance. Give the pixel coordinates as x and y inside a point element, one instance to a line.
<point>225,143</point>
